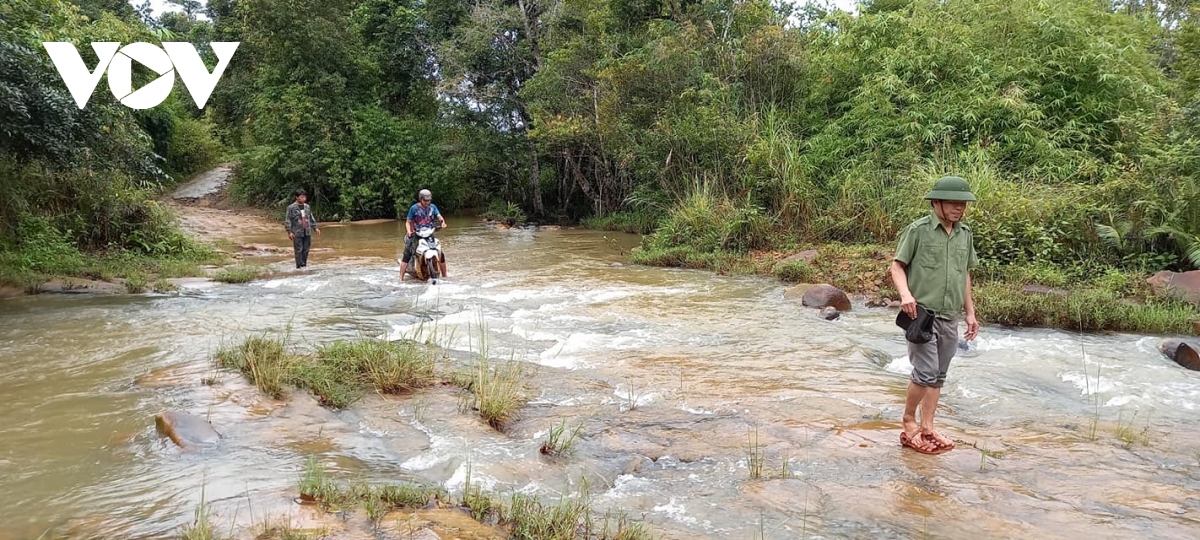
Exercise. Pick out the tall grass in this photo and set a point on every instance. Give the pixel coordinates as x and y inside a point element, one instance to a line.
<point>202,527</point>
<point>1090,310</point>
<point>495,388</point>
<point>317,486</point>
<point>337,374</point>
<point>263,360</point>
<point>560,440</point>
<point>755,457</point>
<point>240,273</point>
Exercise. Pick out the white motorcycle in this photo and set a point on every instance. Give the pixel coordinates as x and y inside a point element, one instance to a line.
<point>427,259</point>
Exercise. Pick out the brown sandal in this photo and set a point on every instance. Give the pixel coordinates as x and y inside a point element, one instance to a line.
<point>905,440</point>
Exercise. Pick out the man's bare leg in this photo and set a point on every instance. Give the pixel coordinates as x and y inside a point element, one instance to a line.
<point>929,405</point>
<point>403,269</point>
<point>916,396</point>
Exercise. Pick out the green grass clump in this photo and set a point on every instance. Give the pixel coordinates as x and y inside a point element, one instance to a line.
<point>389,366</point>
<point>201,527</point>
<point>1088,310</point>
<point>317,486</point>
<point>560,440</point>
<point>505,212</point>
<point>796,272</point>
<point>529,519</point>
<point>339,373</point>
<point>263,360</point>
<point>136,283</point>
<point>495,390</point>
<point>240,273</point>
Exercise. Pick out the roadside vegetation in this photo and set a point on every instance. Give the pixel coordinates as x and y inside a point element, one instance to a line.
<point>78,186</point>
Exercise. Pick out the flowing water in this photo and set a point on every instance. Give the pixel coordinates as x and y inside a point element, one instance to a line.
<point>672,375</point>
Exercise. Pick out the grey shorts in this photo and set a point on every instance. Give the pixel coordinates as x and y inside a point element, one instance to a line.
<point>931,360</point>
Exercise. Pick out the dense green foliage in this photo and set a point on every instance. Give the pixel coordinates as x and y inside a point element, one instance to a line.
<point>726,125</point>
<point>74,183</point>
<point>718,127</point>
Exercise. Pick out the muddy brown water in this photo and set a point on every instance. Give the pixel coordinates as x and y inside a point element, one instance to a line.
<point>669,372</point>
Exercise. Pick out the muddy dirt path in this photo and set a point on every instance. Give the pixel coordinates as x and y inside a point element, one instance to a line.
<point>205,211</point>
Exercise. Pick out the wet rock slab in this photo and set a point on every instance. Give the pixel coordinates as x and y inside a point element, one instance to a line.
<point>188,431</point>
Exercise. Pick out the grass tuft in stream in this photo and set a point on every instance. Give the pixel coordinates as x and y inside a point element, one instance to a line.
<point>1129,433</point>
<point>263,360</point>
<point>530,519</point>
<point>494,387</point>
<point>560,440</point>
<point>202,527</point>
<point>755,457</point>
<point>524,516</point>
<point>338,374</point>
<point>283,530</point>
<point>241,273</point>
<point>317,486</point>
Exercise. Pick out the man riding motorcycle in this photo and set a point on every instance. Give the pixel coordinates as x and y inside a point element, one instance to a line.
<point>420,215</point>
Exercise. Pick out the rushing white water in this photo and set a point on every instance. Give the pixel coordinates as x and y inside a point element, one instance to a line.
<point>667,371</point>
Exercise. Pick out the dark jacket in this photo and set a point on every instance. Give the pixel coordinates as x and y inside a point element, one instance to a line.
<point>298,217</point>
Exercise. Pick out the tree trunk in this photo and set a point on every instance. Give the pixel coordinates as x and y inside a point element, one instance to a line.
<point>535,178</point>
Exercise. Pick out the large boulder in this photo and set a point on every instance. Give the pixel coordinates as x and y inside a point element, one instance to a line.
<point>186,430</point>
<point>1182,285</point>
<point>1183,353</point>
<point>823,296</point>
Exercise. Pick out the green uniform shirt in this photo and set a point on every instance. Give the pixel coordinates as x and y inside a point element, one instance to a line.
<point>937,263</point>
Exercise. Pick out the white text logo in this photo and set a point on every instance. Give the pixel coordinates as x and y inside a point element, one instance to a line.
<point>172,57</point>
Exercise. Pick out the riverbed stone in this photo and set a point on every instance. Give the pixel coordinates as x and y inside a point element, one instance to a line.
<point>1182,285</point>
<point>186,430</point>
<point>825,295</point>
<point>830,313</point>
<point>1184,353</point>
<point>807,256</point>
<point>80,286</point>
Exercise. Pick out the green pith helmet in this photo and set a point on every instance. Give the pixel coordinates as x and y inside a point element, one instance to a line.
<point>951,188</point>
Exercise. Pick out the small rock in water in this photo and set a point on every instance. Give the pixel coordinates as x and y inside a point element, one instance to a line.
<point>966,347</point>
<point>830,313</point>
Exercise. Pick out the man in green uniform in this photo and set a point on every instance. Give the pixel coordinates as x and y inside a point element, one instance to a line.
<point>932,269</point>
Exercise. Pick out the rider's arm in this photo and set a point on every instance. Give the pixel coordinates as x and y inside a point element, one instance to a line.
<point>408,227</point>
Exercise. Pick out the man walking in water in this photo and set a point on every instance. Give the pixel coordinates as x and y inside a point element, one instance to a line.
<point>931,270</point>
<point>421,215</point>
<point>300,225</point>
